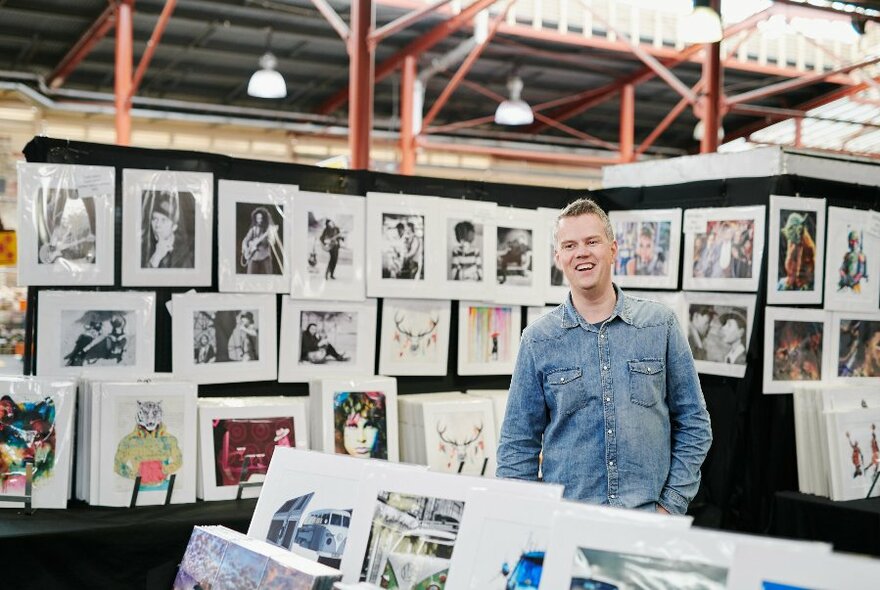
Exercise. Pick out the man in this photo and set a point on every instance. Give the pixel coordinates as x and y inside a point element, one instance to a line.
<point>242,342</point>
<point>733,334</point>
<point>331,239</point>
<point>698,329</point>
<point>164,247</point>
<point>609,384</point>
<point>259,243</point>
<point>315,347</point>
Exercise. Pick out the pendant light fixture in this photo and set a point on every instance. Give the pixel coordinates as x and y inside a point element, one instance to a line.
<point>702,25</point>
<point>514,110</point>
<point>267,82</point>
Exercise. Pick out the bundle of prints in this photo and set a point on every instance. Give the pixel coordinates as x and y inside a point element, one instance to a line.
<point>647,247</point>
<point>796,253</point>
<point>853,262</point>
<point>238,437</point>
<point>795,348</point>
<point>718,330</point>
<point>36,431</point>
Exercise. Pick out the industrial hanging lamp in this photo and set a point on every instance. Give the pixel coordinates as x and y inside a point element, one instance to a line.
<point>702,25</point>
<point>267,82</point>
<point>514,110</point>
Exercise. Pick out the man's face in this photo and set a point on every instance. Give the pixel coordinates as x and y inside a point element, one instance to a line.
<point>584,253</point>
<point>259,218</point>
<point>730,331</point>
<point>700,322</point>
<point>645,251</point>
<point>162,225</point>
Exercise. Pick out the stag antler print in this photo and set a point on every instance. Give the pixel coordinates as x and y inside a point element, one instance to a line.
<point>459,448</point>
<point>414,339</point>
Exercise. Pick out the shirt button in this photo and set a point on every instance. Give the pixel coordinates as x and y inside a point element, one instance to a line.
<point>601,335</point>
<point>610,431</point>
<point>605,367</point>
<point>611,496</point>
<point>607,399</point>
<point>562,380</point>
<point>611,463</point>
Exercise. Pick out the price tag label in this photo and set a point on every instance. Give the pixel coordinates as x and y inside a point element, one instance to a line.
<point>93,182</point>
<point>873,223</point>
<point>695,222</point>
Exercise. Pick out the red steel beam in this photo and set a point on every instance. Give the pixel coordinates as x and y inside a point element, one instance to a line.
<point>836,58</point>
<point>668,120</point>
<point>404,21</point>
<point>459,125</point>
<point>799,132</point>
<point>416,47</point>
<point>712,101</point>
<point>83,46</point>
<point>515,154</point>
<point>360,82</point>
<point>122,83</point>
<point>158,31</point>
<point>627,122</point>
<point>407,136</point>
<point>334,19</point>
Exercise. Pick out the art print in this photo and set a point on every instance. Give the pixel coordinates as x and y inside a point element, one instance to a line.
<point>556,286</point>
<point>647,247</point>
<point>594,568</point>
<point>461,441</point>
<point>856,346</point>
<point>254,237</point>
<point>488,338</point>
<point>723,248</point>
<point>795,265</point>
<point>469,244</point>
<point>414,337</point>
<point>326,339</point>
<point>795,347</point>
<point>857,460</point>
<point>224,338</point>
<point>167,228</point>
<point>65,224</point>
<point>328,247</point>
<point>520,256</point>
<point>852,260</point>
<point>719,330</point>
<point>112,333</point>
<point>360,424</point>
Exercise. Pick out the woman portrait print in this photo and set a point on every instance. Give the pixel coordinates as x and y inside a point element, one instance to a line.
<point>360,427</point>
<point>167,232</point>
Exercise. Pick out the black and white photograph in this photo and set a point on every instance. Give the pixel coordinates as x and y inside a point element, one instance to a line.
<point>326,339</point>
<point>108,333</point>
<point>65,231</point>
<point>468,249</point>
<point>403,246</point>
<point>514,256</point>
<point>465,252</point>
<point>224,338</point>
<point>167,228</point>
<point>328,247</point>
<point>254,221</point>
<point>520,256</point>
<point>718,330</point>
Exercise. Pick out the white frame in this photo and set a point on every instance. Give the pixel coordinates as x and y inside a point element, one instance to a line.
<point>388,363</point>
<point>465,367</point>
<point>833,359</point>
<point>529,220</point>
<point>290,370</point>
<point>231,193</point>
<point>51,304</point>
<point>201,186</point>
<point>817,207</point>
<point>379,204</point>
<point>727,300</point>
<point>793,314</point>
<point>322,400</point>
<point>477,212</point>
<point>867,300</point>
<point>843,483</point>
<point>303,286</point>
<point>183,305</point>
<point>95,182</point>
<point>211,409</point>
<point>552,294</point>
<point>699,218</point>
<point>432,411</point>
<point>670,216</point>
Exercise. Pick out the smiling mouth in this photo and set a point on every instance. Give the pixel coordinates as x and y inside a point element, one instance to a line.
<point>585,266</point>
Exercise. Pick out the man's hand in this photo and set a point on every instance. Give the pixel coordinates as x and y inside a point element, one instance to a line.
<point>661,510</point>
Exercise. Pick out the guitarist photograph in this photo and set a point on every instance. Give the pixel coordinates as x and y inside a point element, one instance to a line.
<point>65,227</point>
<point>331,239</point>
<point>261,245</point>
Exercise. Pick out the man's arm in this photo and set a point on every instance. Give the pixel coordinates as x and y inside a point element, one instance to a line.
<point>691,429</point>
<point>524,421</point>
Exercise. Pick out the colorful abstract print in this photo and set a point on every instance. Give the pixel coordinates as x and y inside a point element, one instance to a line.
<point>27,435</point>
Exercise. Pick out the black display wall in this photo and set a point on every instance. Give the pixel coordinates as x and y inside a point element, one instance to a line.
<point>753,453</point>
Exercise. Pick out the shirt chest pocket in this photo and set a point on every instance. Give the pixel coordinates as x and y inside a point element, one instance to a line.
<point>647,382</point>
<point>566,387</point>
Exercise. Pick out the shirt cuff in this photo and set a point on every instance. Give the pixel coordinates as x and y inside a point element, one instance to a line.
<point>673,502</point>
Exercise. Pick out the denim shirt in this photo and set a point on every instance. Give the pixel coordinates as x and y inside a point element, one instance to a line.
<point>619,407</point>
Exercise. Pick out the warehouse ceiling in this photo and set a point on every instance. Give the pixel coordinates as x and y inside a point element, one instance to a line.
<point>211,47</point>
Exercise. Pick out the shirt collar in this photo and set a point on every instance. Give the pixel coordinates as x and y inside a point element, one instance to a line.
<point>622,309</point>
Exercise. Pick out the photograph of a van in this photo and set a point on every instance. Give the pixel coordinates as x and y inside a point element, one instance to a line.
<point>419,561</point>
<point>325,533</point>
<point>526,574</point>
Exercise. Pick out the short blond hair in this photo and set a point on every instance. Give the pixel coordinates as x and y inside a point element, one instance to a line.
<point>584,206</point>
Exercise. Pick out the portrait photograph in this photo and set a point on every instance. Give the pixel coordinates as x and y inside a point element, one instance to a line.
<point>469,247</point>
<point>555,284</point>
<point>647,247</point>
<point>326,339</point>
<point>328,247</point>
<point>111,334</point>
<point>520,256</point>
<point>853,260</point>
<point>719,328</point>
<point>795,350</point>
<point>723,248</point>
<point>796,251</point>
<point>254,236</point>
<point>414,339</point>
<point>488,338</point>
<point>399,228</point>
<point>65,224</point>
<point>224,338</point>
<point>856,347</point>
<point>167,228</point>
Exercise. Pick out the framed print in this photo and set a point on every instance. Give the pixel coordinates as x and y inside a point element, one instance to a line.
<point>326,339</point>
<point>855,347</point>
<point>799,567</point>
<point>414,337</point>
<point>648,242</point>
<point>460,436</point>
<point>488,338</point>
<point>356,417</point>
<point>853,260</point>
<point>469,245</point>
<point>167,228</point>
<point>65,224</point>
<point>854,452</point>
<point>36,424</point>
<point>556,286</point>
<point>232,429</point>
<point>164,414</point>
<point>111,333</point>
<point>254,236</point>
<point>327,251</point>
<point>398,229</point>
<point>224,338</point>
<point>520,256</point>
<point>796,252</point>
<point>723,248</point>
<point>795,349</point>
<point>719,329</point>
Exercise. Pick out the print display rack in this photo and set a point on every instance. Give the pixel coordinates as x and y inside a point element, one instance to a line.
<point>27,497</point>
<point>245,472</point>
<point>136,489</point>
